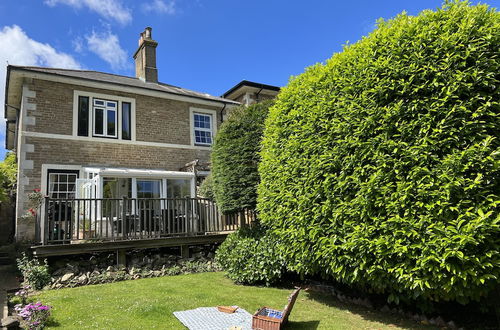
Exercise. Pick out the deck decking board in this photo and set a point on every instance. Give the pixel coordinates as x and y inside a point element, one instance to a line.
<point>82,248</point>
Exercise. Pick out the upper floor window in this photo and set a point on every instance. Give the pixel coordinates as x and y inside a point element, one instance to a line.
<point>203,128</point>
<point>103,116</point>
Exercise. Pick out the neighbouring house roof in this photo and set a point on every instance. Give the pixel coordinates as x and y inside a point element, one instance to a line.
<point>246,83</point>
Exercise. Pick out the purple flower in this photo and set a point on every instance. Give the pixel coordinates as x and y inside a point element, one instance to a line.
<point>34,315</point>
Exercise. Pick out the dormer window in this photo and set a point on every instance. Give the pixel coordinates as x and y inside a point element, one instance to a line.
<point>104,116</point>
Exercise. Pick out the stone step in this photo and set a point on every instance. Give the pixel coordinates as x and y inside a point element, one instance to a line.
<point>4,309</point>
<point>9,322</point>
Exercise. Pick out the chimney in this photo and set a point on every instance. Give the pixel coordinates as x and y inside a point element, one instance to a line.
<point>145,58</point>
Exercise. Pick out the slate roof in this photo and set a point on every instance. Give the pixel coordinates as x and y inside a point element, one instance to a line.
<point>251,84</point>
<point>123,80</point>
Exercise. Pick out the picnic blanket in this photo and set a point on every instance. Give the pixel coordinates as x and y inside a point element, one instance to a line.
<point>209,318</point>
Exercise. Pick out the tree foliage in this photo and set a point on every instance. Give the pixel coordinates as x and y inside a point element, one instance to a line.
<point>235,157</point>
<point>381,167</point>
<point>8,176</point>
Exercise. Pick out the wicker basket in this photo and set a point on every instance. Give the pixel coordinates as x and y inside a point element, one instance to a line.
<point>262,321</point>
<point>272,319</point>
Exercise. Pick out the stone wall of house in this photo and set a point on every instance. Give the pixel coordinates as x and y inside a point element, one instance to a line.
<point>48,109</point>
<point>157,119</point>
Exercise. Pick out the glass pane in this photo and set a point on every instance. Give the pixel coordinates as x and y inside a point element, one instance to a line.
<point>83,116</point>
<point>202,121</point>
<point>148,188</point>
<point>117,187</point>
<point>203,137</point>
<point>178,188</point>
<point>111,104</point>
<point>126,132</point>
<point>111,123</point>
<point>62,185</point>
<point>99,121</point>
<point>98,102</point>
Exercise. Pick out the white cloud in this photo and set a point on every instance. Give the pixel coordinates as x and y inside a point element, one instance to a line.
<point>78,44</point>
<point>160,6</point>
<point>19,49</point>
<point>107,47</point>
<point>108,9</point>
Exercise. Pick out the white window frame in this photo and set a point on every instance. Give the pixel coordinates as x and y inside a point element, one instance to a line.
<point>105,108</point>
<point>105,97</point>
<point>212,130</point>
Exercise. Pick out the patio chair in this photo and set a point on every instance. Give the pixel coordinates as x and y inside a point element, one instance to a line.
<point>270,319</point>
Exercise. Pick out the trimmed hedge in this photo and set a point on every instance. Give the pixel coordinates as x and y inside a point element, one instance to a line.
<point>249,256</point>
<point>235,157</point>
<point>381,168</point>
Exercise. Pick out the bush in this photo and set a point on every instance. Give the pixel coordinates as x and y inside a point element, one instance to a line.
<point>249,256</point>
<point>235,158</point>
<point>35,274</point>
<point>207,188</point>
<point>381,168</point>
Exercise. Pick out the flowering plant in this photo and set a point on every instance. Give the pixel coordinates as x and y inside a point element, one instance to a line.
<point>34,315</point>
<point>23,293</point>
<point>35,199</point>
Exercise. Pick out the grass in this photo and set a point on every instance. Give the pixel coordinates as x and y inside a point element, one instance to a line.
<point>149,303</point>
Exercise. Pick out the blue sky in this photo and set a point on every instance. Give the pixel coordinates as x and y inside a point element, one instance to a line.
<point>207,46</point>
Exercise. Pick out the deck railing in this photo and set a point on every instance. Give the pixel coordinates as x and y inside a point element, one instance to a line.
<point>100,219</point>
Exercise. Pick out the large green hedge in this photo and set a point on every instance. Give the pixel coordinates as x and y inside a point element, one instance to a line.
<point>381,167</point>
<point>235,157</point>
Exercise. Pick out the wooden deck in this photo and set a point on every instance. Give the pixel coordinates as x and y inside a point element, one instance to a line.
<point>82,248</point>
<point>79,226</point>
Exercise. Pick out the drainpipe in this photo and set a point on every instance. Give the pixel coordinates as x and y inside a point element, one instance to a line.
<point>221,113</point>
<point>257,95</point>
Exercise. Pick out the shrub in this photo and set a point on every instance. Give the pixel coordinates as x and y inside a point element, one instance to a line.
<point>381,168</point>
<point>35,274</point>
<point>235,158</point>
<point>207,188</point>
<point>249,256</point>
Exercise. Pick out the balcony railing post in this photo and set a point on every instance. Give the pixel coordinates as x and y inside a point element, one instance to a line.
<point>124,217</point>
<point>242,219</point>
<point>44,220</point>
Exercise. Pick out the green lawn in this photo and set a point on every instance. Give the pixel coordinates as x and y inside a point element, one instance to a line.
<point>149,303</point>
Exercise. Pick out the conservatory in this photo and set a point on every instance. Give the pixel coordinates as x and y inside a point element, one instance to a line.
<point>108,204</point>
